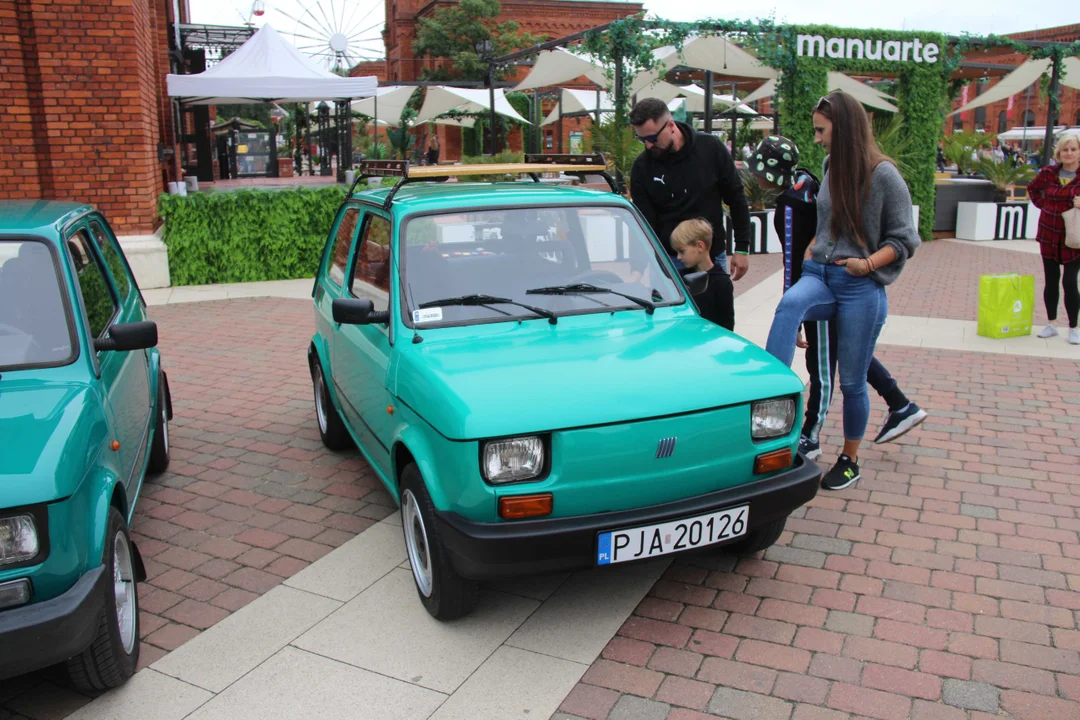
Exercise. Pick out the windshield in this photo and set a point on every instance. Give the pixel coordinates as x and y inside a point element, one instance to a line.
<point>505,253</point>
<point>34,327</point>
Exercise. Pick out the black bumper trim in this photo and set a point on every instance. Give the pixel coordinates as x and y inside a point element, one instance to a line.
<point>52,631</point>
<point>533,547</point>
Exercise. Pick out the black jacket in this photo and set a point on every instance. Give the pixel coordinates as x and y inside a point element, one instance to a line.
<point>692,183</point>
<point>795,221</point>
<point>715,304</point>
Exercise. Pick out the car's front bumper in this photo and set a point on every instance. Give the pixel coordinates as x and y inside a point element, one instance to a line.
<point>533,547</point>
<point>52,631</point>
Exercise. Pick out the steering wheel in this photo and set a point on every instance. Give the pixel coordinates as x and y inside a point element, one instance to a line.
<point>594,276</point>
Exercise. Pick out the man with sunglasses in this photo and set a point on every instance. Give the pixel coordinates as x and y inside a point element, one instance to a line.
<point>684,174</point>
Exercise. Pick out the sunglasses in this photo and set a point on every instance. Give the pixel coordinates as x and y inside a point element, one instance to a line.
<point>823,101</point>
<point>652,138</point>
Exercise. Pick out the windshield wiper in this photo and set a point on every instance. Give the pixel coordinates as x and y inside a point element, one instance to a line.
<point>489,300</point>
<point>585,288</point>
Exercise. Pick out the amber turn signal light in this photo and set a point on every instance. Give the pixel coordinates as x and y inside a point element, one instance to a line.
<point>770,461</point>
<point>516,507</point>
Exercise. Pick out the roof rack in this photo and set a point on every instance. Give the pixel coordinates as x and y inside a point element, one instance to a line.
<point>578,165</point>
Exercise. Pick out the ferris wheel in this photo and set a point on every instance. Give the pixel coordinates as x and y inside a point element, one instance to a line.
<point>338,33</point>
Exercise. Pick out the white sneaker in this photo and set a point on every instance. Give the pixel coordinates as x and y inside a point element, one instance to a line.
<point>1074,336</point>
<point>1048,332</point>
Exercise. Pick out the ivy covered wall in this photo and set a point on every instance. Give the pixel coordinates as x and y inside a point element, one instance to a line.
<point>922,99</point>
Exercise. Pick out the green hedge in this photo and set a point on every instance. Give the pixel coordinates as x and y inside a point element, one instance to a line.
<point>921,98</point>
<point>247,235</point>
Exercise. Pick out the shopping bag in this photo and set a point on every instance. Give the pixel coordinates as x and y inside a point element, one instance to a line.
<point>1006,305</point>
<point>1072,228</point>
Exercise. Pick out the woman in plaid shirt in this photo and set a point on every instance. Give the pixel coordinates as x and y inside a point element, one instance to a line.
<point>1054,190</point>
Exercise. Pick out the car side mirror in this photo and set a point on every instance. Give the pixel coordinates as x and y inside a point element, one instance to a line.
<point>129,336</point>
<point>696,283</point>
<point>358,311</point>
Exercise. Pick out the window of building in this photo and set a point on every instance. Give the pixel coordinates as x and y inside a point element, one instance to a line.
<point>1003,122</point>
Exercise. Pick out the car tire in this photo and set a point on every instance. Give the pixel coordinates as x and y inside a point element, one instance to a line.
<point>114,654</point>
<point>758,539</point>
<point>444,594</point>
<point>159,448</point>
<point>332,430</point>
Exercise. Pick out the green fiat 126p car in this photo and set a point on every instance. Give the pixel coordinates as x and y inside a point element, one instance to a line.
<point>525,370</point>
<point>84,411</point>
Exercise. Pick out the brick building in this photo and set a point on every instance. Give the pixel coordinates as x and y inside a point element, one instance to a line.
<point>85,109</point>
<point>1028,107</point>
<point>546,18</point>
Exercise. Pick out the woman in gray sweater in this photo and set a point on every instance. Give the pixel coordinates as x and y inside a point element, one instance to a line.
<point>865,234</point>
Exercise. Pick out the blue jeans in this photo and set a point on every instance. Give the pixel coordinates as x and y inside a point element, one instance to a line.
<point>859,307</point>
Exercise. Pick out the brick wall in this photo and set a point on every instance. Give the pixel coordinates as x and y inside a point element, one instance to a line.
<point>19,163</point>
<point>84,110</point>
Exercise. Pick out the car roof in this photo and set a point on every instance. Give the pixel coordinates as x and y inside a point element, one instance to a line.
<point>38,217</point>
<point>433,196</point>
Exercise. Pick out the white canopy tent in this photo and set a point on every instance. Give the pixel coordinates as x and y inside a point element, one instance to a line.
<point>266,68</point>
<point>862,92</point>
<point>558,66</point>
<point>1011,84</point>
<point>1034,133</point>
<point>386,104</point>
<point>577,102</point>
<point>442,99</point>
<point>704,52</point>
<point>695,100</point>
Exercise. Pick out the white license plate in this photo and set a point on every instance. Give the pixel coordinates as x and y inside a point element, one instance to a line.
<point>648,541</point>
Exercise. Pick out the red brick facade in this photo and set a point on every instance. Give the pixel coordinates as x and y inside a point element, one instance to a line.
<point>84,104</point>
<point>546,18</point>
<point>997,117</point>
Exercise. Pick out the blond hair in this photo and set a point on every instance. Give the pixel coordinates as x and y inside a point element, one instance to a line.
<point>689,232</point>
<point>1063,138</point>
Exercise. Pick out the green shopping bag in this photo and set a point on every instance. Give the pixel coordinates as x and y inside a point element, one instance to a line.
<point>1006,305</point>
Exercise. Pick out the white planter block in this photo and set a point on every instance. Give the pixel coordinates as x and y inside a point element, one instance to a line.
<point>148,258</point>
<point>975,221</point>
<point>915,215</point>
<point>1033,222</point>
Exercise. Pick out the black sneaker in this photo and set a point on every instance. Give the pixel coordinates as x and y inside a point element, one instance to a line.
<point>809,448</point>
<point>899,422</point>
<point>843,473</point>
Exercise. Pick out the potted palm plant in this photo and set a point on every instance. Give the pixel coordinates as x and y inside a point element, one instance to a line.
<point>1004,175</point>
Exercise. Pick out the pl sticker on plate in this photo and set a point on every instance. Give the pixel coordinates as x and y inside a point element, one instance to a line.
<point>427,315</point>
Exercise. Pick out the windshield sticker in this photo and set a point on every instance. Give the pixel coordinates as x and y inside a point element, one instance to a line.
<point>427,315</point>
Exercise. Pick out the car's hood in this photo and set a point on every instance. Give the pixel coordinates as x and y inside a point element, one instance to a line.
<point>511,378</point>
<point>48,434</point>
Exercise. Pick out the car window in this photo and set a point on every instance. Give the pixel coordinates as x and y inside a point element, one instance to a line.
<point>339,257</point>
<point>371,274</point>
<point>96,292</point>
<point>107,246</point>
<point>508,252</point>
<point>34,327</point>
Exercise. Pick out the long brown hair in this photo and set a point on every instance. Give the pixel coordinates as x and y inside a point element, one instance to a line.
<point>853,155</point>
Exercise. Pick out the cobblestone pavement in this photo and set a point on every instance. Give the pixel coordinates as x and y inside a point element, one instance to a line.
<point>251,495</point>
<point>942,280</point>
<point>945,584</point>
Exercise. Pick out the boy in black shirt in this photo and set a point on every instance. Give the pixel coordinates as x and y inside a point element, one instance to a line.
<point>692,240</point>
<point>775,164</point>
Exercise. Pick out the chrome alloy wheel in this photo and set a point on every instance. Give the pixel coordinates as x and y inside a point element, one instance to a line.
<point>416,542</point>
<point>124,591</point>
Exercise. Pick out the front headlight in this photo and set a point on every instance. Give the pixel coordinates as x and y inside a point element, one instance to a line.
<point>771,418</point>
<point>18,539</point>
<point>511,460</point>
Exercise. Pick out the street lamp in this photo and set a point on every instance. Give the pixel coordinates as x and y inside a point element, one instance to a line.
<point>485,50</point>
